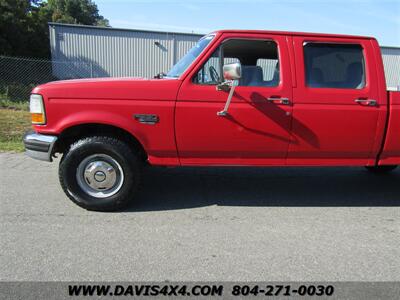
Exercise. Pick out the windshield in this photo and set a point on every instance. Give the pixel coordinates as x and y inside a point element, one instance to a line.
<point>187,60</point>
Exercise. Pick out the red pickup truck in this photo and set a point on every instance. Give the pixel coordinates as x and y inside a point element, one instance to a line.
<point>237,98</point>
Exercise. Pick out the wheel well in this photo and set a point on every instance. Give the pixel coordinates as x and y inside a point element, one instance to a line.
<point>74,133</point>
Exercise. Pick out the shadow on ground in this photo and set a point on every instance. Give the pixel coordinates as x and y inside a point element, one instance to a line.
<point>180,188</point>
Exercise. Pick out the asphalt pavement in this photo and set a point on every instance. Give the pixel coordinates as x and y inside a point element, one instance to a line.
<point>187,224</point>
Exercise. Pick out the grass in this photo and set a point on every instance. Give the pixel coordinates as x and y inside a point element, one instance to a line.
<point>13,124</point>
<point>22,105</point>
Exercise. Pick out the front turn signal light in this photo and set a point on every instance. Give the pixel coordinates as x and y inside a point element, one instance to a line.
<point>36,107</point>
<point>38,118</point>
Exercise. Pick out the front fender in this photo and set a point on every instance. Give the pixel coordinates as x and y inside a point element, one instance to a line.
<point>158,140</point>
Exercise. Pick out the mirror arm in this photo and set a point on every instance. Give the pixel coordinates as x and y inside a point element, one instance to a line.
<point>224,86</point>
<point>224,112</point>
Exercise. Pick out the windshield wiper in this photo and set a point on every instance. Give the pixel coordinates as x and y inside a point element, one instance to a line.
<point>160,75</point>
<point>170,76</point>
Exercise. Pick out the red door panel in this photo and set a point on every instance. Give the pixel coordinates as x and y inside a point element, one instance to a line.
<point>329,126</point>
<point>256,131</point>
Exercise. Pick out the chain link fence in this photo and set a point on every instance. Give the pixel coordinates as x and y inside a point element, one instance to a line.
<point>18,76</point>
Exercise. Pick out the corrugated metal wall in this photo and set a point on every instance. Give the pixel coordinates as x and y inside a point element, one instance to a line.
<point>391,62</point>
<point>102,52</point>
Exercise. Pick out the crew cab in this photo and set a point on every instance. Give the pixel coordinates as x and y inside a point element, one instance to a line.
<point>237,98</point>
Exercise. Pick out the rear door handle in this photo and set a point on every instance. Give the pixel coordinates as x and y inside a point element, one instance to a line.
<point>279,100</point>
<point>367,102</point>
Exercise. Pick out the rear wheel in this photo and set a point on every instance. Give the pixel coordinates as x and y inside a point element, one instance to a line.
<point>381,169</point>
<point>100,173</point>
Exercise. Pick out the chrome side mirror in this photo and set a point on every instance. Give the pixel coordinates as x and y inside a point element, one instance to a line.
<point>232,73</point>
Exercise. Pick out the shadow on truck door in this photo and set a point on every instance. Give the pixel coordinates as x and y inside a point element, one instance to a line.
<point>180,188</point>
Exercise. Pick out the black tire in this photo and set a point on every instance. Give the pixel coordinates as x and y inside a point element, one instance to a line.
<point>120,152</point>
<point>381,169</point>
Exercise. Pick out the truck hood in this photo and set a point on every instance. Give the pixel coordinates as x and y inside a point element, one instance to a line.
<point>127,88</point>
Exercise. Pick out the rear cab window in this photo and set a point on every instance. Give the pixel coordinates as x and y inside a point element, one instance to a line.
<point>329,65</point>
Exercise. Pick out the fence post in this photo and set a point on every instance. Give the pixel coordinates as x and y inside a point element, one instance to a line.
<point>91,70</point>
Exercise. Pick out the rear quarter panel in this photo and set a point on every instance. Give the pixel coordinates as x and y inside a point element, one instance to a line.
<point>391,150</point>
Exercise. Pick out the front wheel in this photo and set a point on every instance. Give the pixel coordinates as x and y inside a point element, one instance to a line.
<point>100,173</point>
<point>381,169</point>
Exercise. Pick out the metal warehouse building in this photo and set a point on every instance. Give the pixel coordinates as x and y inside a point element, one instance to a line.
<point>88,51</point>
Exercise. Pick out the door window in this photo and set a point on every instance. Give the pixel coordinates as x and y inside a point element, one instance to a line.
<point>210,73</point>
<point>334,66</point>
<point>259,60</point>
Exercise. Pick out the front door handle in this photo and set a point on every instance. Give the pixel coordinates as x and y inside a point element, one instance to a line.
<point>279,100</point>
<point>367,102</point>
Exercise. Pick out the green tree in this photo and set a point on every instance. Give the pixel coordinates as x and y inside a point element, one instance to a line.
<point>75,12</point>
<point>14,25</point>
<point>23,23</point>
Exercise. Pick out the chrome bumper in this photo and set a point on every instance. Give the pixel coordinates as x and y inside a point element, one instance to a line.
<point>39,146</point>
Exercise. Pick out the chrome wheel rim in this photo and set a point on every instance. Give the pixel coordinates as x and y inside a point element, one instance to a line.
<point>100,176</point>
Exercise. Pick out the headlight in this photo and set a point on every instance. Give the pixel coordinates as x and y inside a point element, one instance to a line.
<point>36,108</point>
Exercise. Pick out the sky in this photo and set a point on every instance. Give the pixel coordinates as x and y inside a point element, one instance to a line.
<point>380,19</point>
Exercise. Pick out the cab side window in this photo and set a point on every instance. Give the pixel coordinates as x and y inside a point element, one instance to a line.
<point>258,58</point>
<point>334,66</point>
<point>210,73</point>
<point>270,68</point>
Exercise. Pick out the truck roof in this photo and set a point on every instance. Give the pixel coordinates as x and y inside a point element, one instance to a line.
<point>293,33</point>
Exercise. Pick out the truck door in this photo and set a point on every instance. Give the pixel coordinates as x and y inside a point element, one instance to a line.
<point>337,108</point>
<point>256,131</point>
